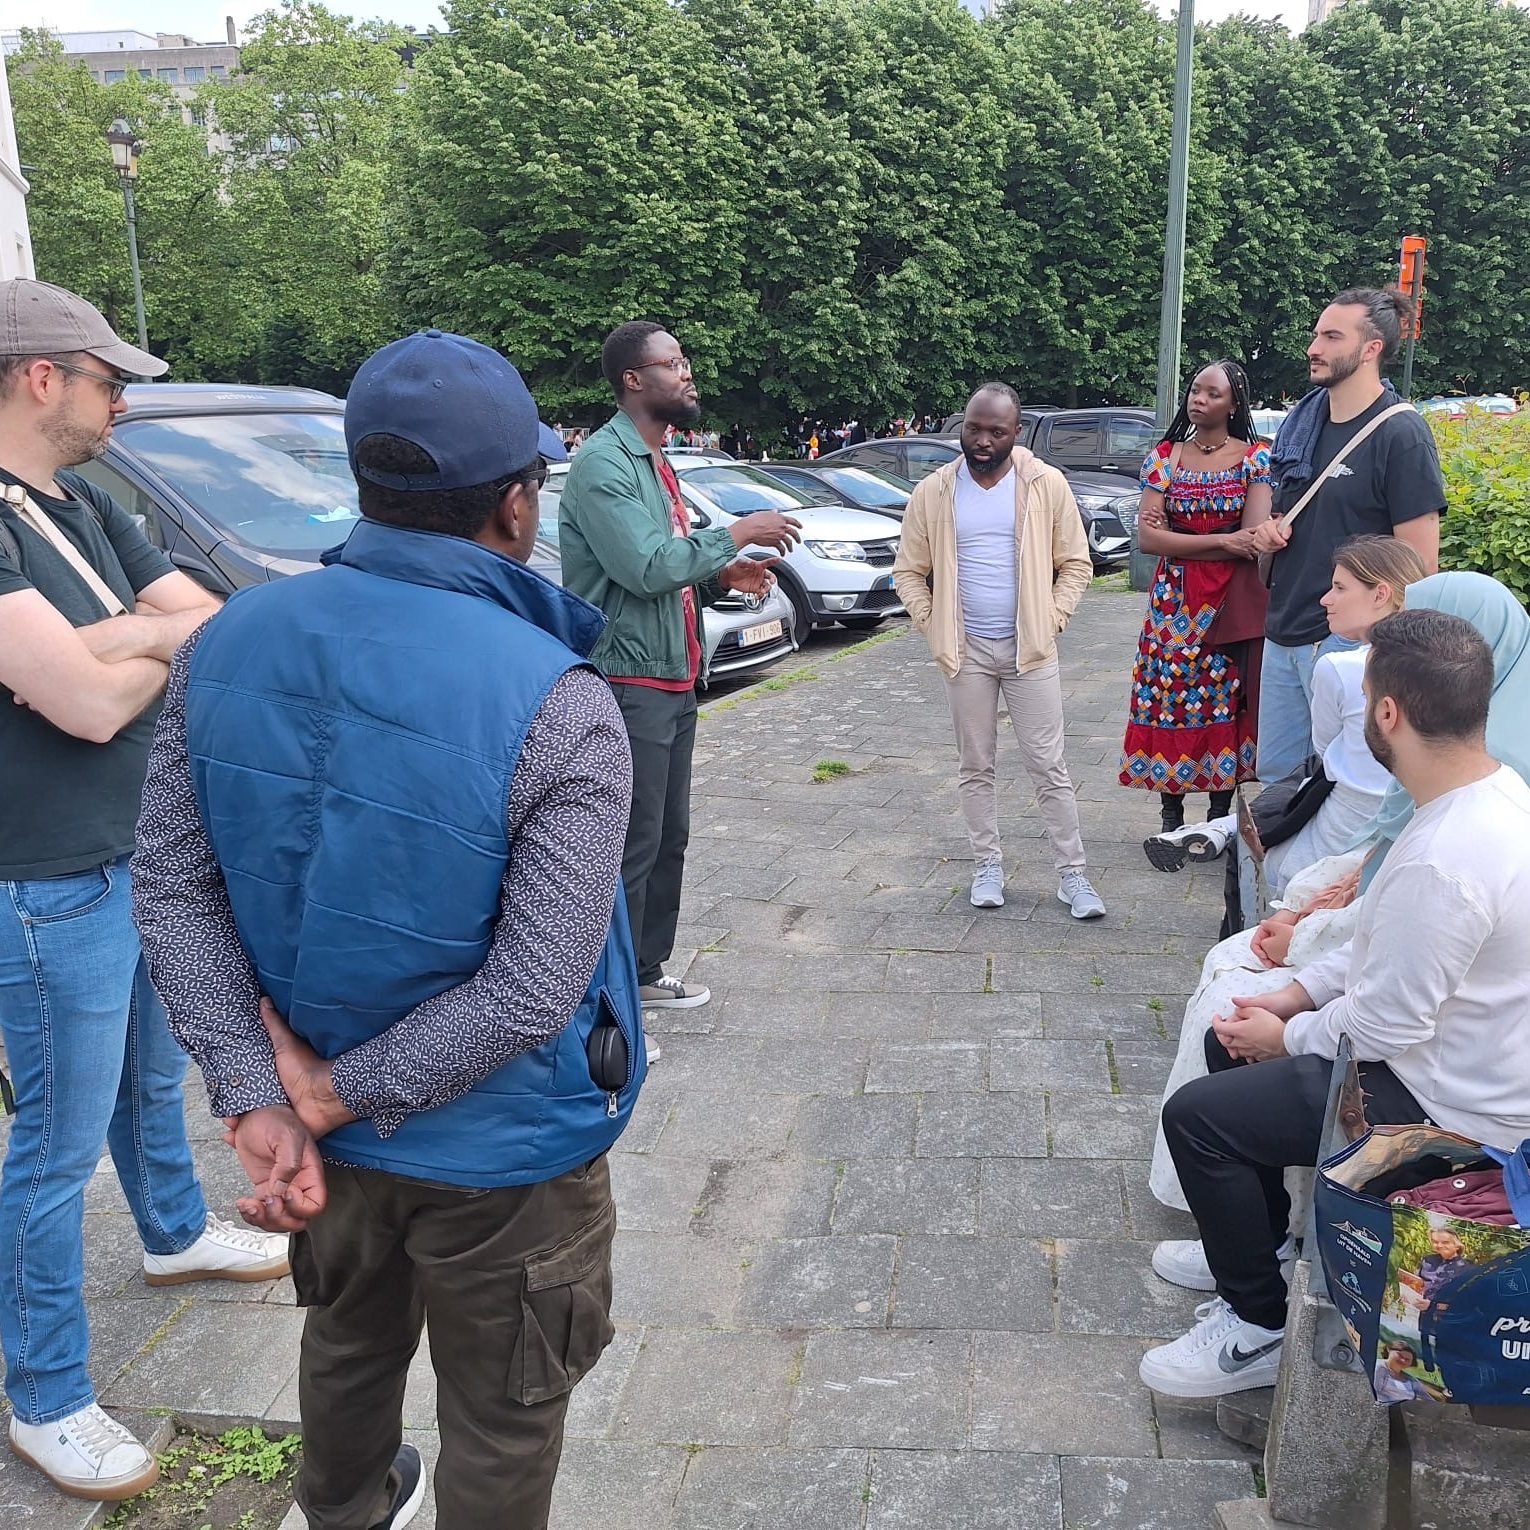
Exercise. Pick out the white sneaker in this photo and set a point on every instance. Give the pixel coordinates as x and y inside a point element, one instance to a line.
<point>223,1252</point>
<point>671,993</point>
<point>1182,1262</point>
<point>1078,893</point>
<point>988,885</point>
<point>651,1049</point>
<point>1221,1354</point>
<point>1170,850</point>
<point>87,1455</point>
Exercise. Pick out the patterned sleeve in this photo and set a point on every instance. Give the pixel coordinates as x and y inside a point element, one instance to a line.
<point>1256,465</point>
<point>1155,468</point>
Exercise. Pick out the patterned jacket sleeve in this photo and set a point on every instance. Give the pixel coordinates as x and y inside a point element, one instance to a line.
<point>197,964</point>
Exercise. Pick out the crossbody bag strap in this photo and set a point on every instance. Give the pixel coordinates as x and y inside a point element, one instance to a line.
<point>31,514</point>
<point>1338,462</point>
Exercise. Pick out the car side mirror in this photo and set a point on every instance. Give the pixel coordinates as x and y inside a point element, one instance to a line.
<point>700,519</point>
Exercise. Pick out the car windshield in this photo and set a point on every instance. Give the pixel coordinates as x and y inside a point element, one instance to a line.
<point>742,490</point>
<point>276,483</point>
<point>867,487</point>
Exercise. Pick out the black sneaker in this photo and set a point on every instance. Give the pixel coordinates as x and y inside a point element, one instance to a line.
<point>407,1479</point>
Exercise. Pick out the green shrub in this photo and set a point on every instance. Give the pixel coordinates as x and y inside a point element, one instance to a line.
<point>1486,460</point>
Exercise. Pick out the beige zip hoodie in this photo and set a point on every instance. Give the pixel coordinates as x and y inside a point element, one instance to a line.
<point>1051,554</point>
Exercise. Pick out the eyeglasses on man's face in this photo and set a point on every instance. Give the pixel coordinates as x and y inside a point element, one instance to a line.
<point>115,386</point>
<point>679,365</point>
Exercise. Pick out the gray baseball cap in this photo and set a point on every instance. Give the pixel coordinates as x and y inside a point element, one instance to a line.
<point>39,319</point>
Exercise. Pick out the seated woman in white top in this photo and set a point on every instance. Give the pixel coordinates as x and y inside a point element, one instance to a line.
<point>1370,577</point>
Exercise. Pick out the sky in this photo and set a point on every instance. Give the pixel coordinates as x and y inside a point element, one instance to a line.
<point>203,19</point>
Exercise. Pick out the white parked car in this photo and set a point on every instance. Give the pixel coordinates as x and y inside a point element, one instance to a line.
<point>842,569</point>
<point>738,633</point>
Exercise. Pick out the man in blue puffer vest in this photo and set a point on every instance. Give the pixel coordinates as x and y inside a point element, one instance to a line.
<point>376,884</point>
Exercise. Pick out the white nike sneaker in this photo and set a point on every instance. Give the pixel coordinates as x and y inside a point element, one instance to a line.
<point>1182,1262</point>
<point>87,1455</point>
<point>1221,1354</point>
<point>223,1252</point>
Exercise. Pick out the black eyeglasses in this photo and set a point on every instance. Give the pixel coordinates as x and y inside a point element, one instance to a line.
<point>679,365</point>
<point>115,386</point>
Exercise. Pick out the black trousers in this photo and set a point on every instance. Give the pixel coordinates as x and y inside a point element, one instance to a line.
<point>1233,1134</point>
<point>661,728</point>
<point>516,1284</point>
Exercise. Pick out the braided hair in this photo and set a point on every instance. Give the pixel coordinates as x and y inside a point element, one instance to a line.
<point>1239,424</point>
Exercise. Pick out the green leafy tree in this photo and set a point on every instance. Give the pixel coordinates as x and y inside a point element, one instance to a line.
<point>76,212</point>
<point>1290,152</point>
<point>311,120</point>
<point>792,75</point>
<point>1092,83</point>
<point>569,165</point>
<point>1447,84</point>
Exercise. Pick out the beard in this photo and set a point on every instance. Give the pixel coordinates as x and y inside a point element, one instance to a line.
<point>72,441</point>
<point>984,464</point>
<point>1376,741</point>
<point>1342,369</point>
<point>680,412</point>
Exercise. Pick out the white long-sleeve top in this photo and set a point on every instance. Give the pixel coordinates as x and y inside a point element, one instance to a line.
<point>1338,724</point>
<point>1436,982</point>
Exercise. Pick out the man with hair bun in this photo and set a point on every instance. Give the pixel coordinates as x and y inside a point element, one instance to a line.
<point>1388,485</point>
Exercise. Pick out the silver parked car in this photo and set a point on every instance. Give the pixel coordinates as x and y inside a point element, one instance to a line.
<point>738,634</point>
<point>842,569</point>
<point>241,484</point>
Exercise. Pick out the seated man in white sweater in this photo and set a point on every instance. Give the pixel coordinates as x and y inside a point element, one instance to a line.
<point>1433,992</point>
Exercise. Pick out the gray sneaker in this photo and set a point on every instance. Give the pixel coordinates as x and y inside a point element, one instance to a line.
<point>671,993</point>
<point>1075,891</point>
<point>988,885</point>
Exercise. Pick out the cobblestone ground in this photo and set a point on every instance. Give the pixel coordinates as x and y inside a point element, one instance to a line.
<point>884,1221</point>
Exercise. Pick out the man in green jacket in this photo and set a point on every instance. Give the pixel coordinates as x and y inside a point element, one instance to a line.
<point>627,546</point>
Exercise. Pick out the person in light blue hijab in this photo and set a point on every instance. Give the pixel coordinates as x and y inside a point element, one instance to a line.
<point>1493,610</point>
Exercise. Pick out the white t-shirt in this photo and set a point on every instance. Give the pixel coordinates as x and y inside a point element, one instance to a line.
<point>985,555</point>
<point>1436,982</point>
<point>1338,724</point>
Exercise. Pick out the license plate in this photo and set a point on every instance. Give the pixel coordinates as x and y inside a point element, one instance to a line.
<point>761,634</point>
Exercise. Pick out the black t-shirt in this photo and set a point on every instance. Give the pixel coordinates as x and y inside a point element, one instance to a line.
<point>66,804</point>
<point>1391,477</point>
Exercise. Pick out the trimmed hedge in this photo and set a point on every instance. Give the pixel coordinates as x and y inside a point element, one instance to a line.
<point>1486,461</point>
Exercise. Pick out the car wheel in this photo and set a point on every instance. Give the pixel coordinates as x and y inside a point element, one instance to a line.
<point>861,623</point>
<point>802,615</point>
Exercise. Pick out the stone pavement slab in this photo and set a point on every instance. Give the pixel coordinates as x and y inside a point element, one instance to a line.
<point>883,1227</point>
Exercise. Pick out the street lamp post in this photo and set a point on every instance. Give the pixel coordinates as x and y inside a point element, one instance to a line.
<point>1169,315</point>
<point>125,146</point>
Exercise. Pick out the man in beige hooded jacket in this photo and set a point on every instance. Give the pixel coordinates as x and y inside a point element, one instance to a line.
<point>992,563</point>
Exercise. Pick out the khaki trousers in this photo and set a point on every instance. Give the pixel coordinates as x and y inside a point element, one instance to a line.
<point>516,1284</point>
<point>1035,711</point>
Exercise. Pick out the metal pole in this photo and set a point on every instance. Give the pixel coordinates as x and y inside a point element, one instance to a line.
<point>132,223</point>
<point>1169,318</point>
<point>1408,363</point>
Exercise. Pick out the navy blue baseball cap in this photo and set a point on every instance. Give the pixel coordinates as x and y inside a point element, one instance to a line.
<point>452,397</point>
<point>1516,1177</point>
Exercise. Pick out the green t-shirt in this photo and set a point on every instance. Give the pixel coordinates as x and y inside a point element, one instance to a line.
<point>66,804</point>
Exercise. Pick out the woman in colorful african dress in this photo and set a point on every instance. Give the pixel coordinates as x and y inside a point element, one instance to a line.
<point>1194,703</point>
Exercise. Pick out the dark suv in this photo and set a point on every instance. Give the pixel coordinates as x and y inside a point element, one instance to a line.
<point>1107,503</point>
<point>1113,440</point>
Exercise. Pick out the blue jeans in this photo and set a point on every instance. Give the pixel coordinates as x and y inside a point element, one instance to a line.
<point>1285,705</point>
<point>93,1064</point>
